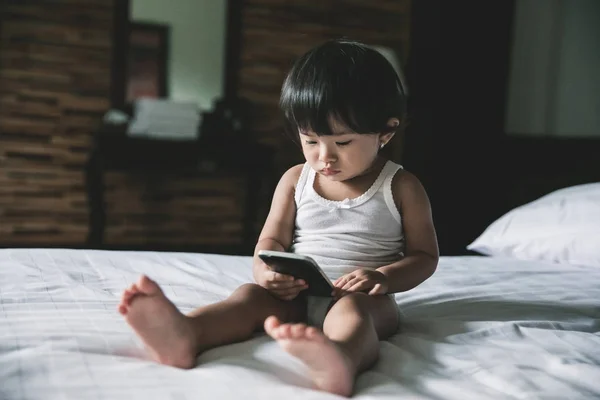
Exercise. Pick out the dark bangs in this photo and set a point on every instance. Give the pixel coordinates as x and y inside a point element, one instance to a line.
<point>348,81</point>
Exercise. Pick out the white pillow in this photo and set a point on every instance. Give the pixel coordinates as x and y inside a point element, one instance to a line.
<point>561,227</point>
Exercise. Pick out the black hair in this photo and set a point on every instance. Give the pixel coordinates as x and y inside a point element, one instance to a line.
<point>346,80</point>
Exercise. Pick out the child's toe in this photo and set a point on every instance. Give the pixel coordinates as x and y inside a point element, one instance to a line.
<point>298,331</point>
<point>311,332</point>
<point>128,298</point>
<point>285,331</point>
<point>271,326</point>
<point>147,285</point>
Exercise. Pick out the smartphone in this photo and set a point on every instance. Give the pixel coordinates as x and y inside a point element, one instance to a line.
<point>300,267</point>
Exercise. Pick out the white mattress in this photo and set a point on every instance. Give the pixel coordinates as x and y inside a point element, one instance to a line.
<point>480,328</point>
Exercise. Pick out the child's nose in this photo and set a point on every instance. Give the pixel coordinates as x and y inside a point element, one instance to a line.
<point>326,154</point>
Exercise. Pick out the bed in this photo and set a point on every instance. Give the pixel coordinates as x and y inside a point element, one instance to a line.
<point>482,328</point>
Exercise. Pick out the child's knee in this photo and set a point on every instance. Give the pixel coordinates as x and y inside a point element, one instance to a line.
<point>357,302</point>
<point>250,291</point>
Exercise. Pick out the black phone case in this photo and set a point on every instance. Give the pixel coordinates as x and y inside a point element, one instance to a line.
<point>301,269</point>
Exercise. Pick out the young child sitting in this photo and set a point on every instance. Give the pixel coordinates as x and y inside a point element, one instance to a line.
<point>365,220</point>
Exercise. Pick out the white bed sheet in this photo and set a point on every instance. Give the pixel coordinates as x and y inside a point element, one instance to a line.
<point>480,328</point>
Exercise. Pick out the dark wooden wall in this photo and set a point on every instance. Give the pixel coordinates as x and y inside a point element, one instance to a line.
<point>174,211</point>
<point>55,60</point>
<point>55,81</point>
<point>276,32</point>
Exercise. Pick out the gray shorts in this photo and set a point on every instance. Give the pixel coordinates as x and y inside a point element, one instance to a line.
<point>318,307</point>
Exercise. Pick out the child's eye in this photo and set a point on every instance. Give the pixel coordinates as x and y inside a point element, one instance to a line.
<point>310,142</point>
<point>343,143</point>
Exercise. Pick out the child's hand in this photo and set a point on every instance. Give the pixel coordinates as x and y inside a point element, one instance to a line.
<point>282,286</point>
<point>370,281</point>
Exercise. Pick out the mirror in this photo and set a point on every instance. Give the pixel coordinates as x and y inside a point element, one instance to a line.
<point>194,68</point>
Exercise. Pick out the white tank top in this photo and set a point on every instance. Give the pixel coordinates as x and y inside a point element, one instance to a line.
<point>364,232</point>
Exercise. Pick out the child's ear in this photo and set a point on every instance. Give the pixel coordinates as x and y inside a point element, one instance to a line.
<point>393,123</point>
<point>385,137</point>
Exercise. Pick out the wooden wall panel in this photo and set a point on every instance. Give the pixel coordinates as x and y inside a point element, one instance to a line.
<point>54,88</point>
<point>174,211</point>
<point>55,81</point>
<point>276,32</point>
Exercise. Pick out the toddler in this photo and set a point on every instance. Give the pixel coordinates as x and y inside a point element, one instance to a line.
<point>364,219</point>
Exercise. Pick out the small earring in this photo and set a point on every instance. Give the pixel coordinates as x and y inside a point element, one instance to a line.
<point>381,145</point>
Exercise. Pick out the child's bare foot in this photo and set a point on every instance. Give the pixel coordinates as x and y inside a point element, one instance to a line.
<point>163,329</point>
<point>330,368</point>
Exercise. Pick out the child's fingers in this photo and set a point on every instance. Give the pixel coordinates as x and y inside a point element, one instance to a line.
<point>281,277</point>
<point>361,286</point>
<point>287,293</point>
<point>280,285</point>
<point>341,281</point>
<point>285,284</point>
<point>351,283</point>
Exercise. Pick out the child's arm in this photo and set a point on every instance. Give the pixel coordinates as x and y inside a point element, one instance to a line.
<point>277,234</point>
<point>421,252</point>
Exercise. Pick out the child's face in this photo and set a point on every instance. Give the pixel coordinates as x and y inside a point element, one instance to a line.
<point>341,156</point>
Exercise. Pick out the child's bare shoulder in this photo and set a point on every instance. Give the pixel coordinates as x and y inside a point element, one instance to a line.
<point>291,176</point>
<point>406,187</point>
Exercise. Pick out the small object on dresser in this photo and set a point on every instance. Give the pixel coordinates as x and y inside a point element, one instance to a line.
<point>166,120</point>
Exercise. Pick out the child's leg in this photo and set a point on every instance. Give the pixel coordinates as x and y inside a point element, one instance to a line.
<point>358,322</point>
<point>348,344</point>
<point>175,339</point>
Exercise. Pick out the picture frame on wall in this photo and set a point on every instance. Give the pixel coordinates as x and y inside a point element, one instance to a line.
<point>147,57</point>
